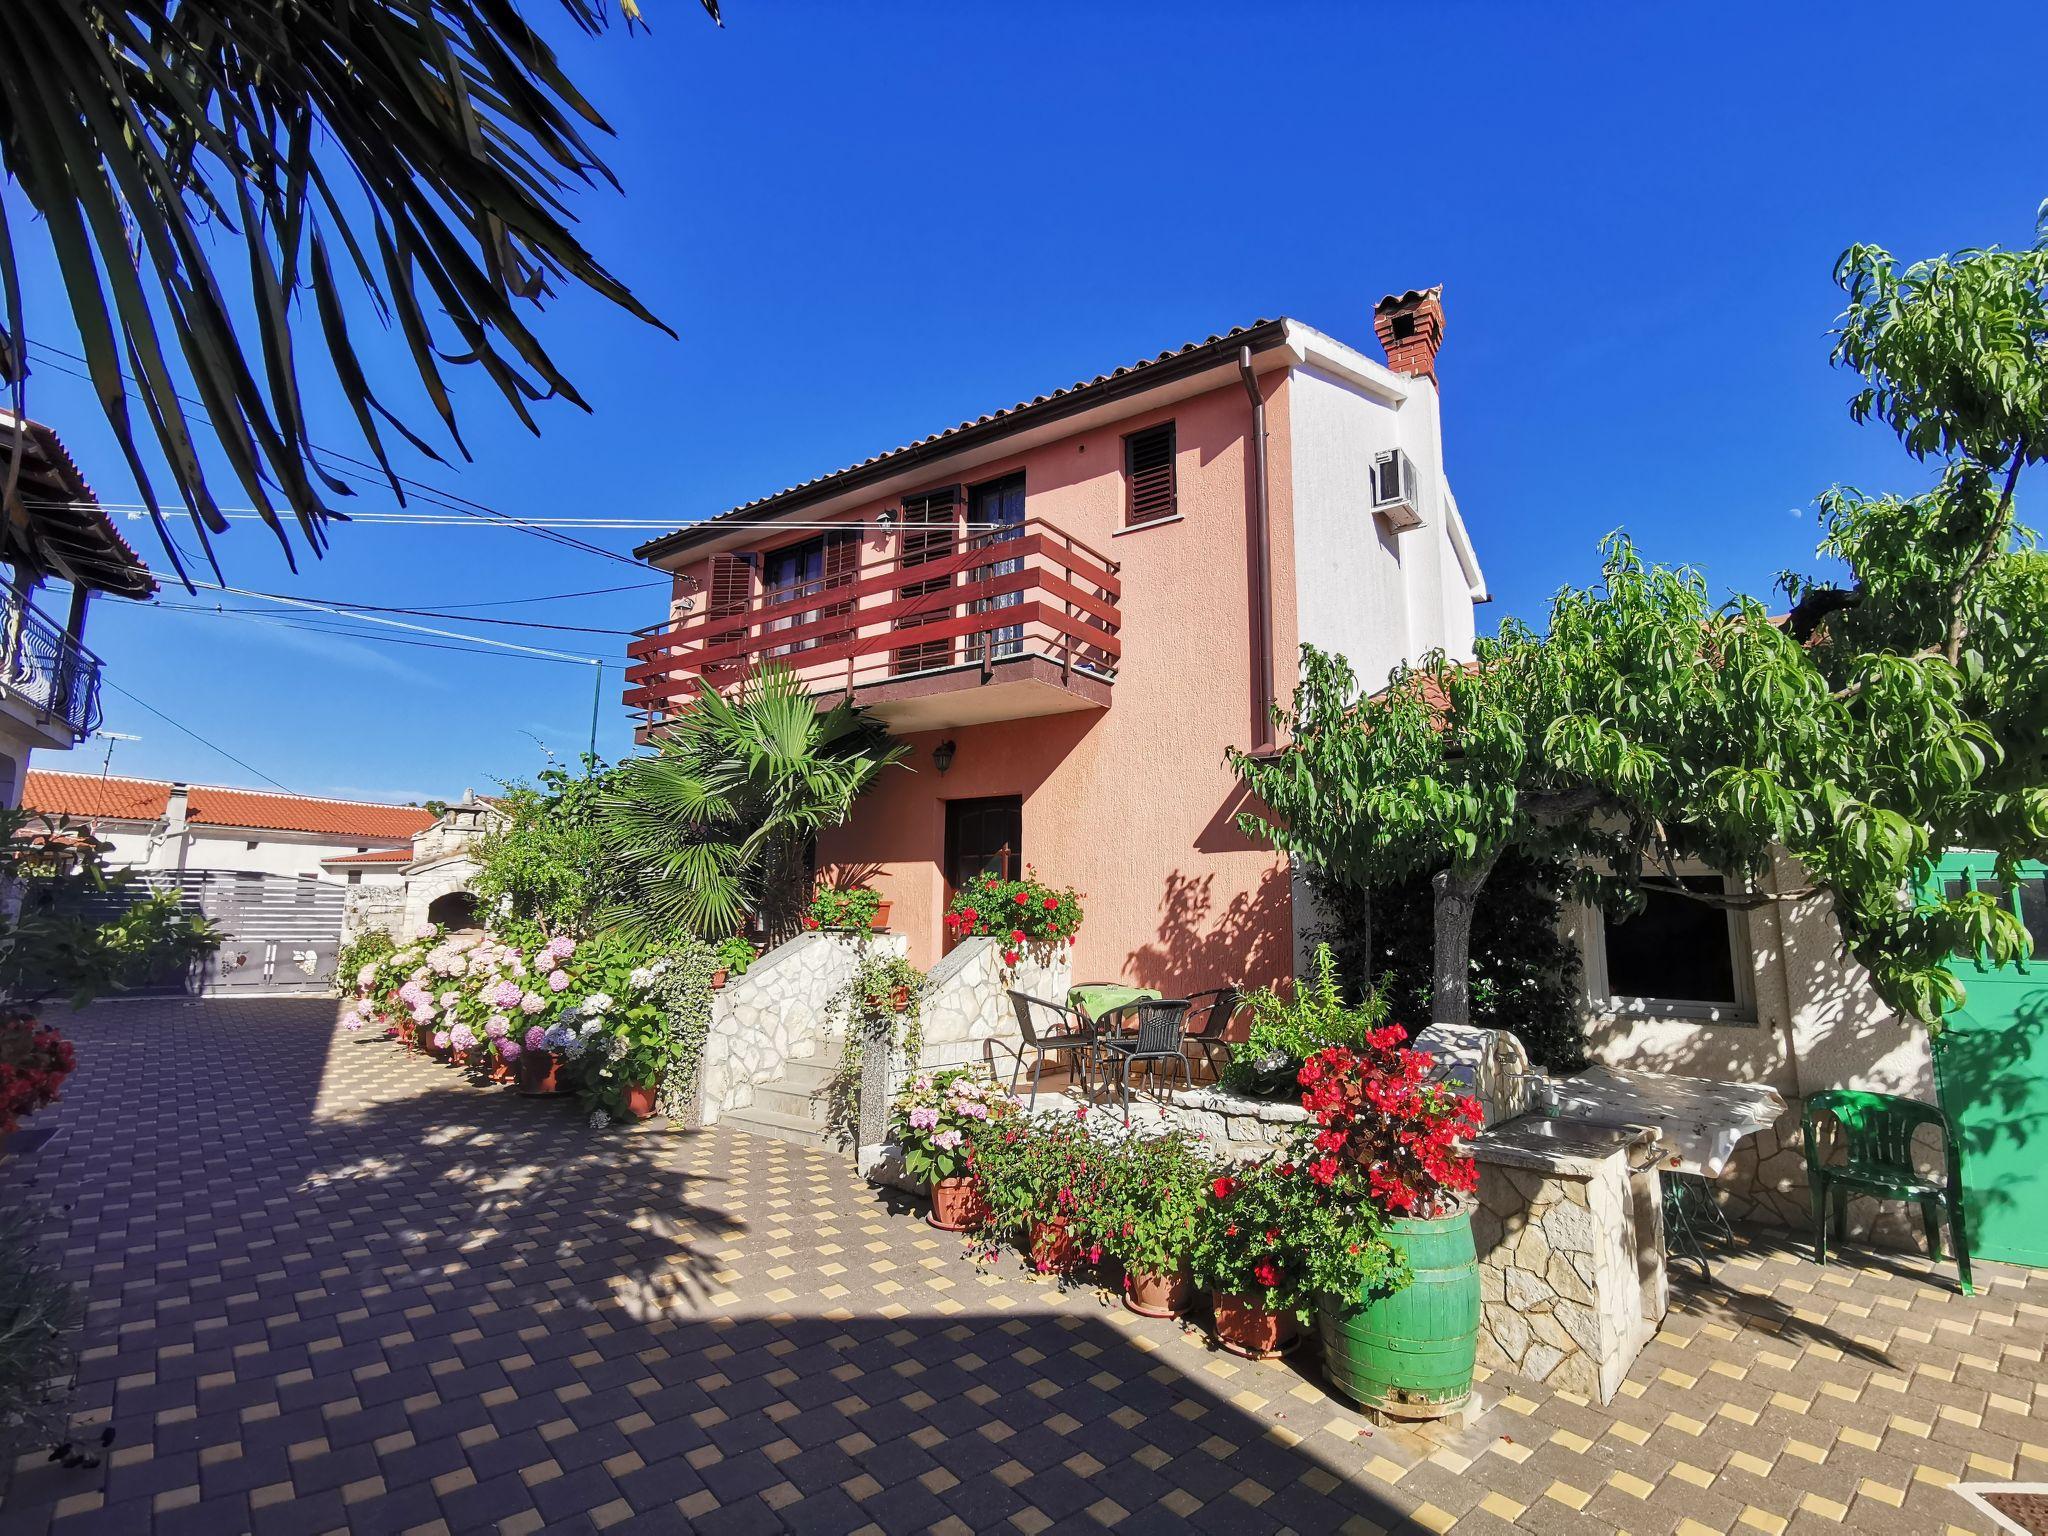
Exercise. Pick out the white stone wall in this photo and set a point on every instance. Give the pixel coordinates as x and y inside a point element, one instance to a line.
<point>777,1013</point>
<point>968,1014</point>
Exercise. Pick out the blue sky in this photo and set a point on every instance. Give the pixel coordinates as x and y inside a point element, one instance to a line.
<point>866,223</point>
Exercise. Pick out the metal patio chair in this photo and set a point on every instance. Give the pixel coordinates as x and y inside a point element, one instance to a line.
<point>1159,1037</point>
<point>1209,1020</point>
<point>1068,1032</point>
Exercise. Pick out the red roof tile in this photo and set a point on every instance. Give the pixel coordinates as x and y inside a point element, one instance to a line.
<point>90,796</point>
<point>215,807</point>
<point>374,856</point>
<point>84,795</point>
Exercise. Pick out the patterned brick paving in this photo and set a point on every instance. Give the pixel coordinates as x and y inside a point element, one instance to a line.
<point>334,1288</point>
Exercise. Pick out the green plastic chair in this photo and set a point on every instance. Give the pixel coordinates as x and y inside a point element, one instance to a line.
<point>1877,1133</point>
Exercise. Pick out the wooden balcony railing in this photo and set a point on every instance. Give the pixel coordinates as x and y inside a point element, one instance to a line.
<point>921,601</point>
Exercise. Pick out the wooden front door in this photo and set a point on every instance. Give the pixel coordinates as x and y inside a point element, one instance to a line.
<point>985,834</point>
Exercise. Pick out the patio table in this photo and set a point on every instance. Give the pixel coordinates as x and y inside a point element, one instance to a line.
<point>1096,1000</point>
<point>1699,1123</point>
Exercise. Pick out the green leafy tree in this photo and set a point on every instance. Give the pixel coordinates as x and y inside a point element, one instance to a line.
<point>1895,714</point>
<point>545,858</point>
<point>717,824</point>
<point>416,153</point>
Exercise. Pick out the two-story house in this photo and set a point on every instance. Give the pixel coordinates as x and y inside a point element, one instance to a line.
<point>52,529</point>
<point>1070,608</point>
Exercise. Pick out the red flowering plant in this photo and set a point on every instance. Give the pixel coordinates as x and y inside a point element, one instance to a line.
<point>1378,1111</point>
<point>1038,1169</point>
<point>34,1061</point>
<point>1149,1205</point>
<point>1019,912</point>
<point>1272,1235</point>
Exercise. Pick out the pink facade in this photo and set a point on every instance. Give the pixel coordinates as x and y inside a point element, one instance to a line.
<point>1129,659</point>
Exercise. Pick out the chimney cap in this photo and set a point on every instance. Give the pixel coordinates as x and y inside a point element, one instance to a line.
<point>1414,298</point>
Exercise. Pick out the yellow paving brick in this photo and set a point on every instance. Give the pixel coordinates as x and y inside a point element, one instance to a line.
<point>1567,1495</point>
<point>1501,1507</point>
<point>1884,1493</point>
<point>1686,1472</point>
<point>1631,1485</point>
<point>1827,1509</point>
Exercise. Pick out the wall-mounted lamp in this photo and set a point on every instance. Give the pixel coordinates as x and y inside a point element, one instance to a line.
<point>942,756</point>
<point>886,518</point>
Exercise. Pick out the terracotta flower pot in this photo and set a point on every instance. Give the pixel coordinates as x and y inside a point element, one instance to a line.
<point>900,999</point>
<point>1245,1328</point>
<point>718,978</point>
<point>1053,1249</point>
<point>501,1069</point>
<point>438,1052</point>
<point>881,916</point>
<point>956,1204</point>
<point>540,1074</point>
<point>640,1101</point>
<point>459,1054</point>
<point>1151,1295</point>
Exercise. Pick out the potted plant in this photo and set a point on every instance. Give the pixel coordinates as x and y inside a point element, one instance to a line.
<point>540,1066</point>
<point>1272,1236</point>
<point>1037,1178</point>
<point>1146,1215</point>
<point>931,1121</point>
<point>857,908</point>
<point>1408,1350</point>
<point>730,959</point>
<point>1016,912</point>
<point>34,1061</point>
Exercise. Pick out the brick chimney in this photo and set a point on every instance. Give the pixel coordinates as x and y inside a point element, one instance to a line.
<point>1410,327</point>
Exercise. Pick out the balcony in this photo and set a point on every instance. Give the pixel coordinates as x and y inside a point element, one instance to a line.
<point>46,675</point>
<point>930,630</point>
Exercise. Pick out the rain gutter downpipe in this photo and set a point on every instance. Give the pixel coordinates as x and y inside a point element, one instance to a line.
<point>1262,561</point>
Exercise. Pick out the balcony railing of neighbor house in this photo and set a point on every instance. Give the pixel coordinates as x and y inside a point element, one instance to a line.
<point>929,602</point>
<point>46,668</point>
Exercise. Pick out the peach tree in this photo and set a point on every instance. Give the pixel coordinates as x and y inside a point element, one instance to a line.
<point>1899,710</point>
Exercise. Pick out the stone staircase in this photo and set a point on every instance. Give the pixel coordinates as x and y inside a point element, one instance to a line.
<point>794,1107</point>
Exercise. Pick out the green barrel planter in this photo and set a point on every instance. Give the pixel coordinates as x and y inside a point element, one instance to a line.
<point>1410,1355</point>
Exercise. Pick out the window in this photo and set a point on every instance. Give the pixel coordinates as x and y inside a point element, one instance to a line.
<point>355,877</point>
<point>984,835</point>
<point>252,845</point>
<point>996,512</point>
<point>819,565</point>
<point>732,593</point>
<point>1148,472</point>
<point>1676,957</point>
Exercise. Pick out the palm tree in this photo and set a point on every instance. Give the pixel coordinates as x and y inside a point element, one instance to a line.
<point>348,145</point>
<point>717,822</point>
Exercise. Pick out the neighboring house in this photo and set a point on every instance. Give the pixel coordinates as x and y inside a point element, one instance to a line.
<point>1072,607</point>
<point>51,530</point>
<point>156,824</point>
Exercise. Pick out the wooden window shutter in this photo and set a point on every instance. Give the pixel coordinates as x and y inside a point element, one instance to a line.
<point>1149,473</point>
<point>930,533</point>
<point>731,594</point>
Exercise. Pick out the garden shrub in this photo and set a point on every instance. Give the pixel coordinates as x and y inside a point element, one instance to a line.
<point>40,1313</point>
<point>1288,1029</point>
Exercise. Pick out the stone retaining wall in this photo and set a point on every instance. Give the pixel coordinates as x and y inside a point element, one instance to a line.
<point>777,1012</point>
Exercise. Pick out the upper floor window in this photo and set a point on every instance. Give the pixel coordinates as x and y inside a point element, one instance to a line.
<point>1149,474</point>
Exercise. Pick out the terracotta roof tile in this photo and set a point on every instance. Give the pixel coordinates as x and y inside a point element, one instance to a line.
<point>85,795</point>
<point>374,856</point>
<point>214,807</point>
<point>90,796</point>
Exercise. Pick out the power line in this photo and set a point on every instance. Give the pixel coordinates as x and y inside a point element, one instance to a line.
<point>180,725</point>
<point>371,618</point>
<point>365,609</point>
<point>449,499</point>
<point>307,624</point>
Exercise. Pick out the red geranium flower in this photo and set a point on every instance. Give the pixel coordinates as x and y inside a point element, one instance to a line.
<point>1052,903</point>
<point>1223,1187</point>
<point>1266,1272</point>
<point>1023,899</point>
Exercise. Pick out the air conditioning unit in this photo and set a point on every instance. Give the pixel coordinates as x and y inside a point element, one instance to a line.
<point>1393,490</point>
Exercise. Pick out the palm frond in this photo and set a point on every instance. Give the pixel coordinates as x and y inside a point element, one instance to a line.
<point>432,143</point>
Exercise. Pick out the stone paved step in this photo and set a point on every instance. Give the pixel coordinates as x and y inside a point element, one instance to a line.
<point>788,1098</point>
<point>756,1121</point>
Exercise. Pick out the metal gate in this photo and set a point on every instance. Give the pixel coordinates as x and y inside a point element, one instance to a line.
<point>282,931</point>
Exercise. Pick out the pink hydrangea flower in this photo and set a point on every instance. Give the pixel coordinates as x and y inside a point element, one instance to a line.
<point>558,981</point>
<point>531,1003</point>
<point>508,1050</point>
<point>536,1038</point>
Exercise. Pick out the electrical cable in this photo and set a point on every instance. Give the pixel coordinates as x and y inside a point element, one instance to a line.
<point>180,725</point>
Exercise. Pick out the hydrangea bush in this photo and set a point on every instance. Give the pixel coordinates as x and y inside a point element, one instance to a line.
<point>934,1115</point>
<point>620,1017</point>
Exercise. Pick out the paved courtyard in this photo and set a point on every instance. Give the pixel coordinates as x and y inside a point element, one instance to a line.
<point>336,1288</point>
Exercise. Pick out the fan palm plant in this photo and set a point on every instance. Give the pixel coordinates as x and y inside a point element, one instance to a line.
<point>715,824</point>
<point>368,146</point>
